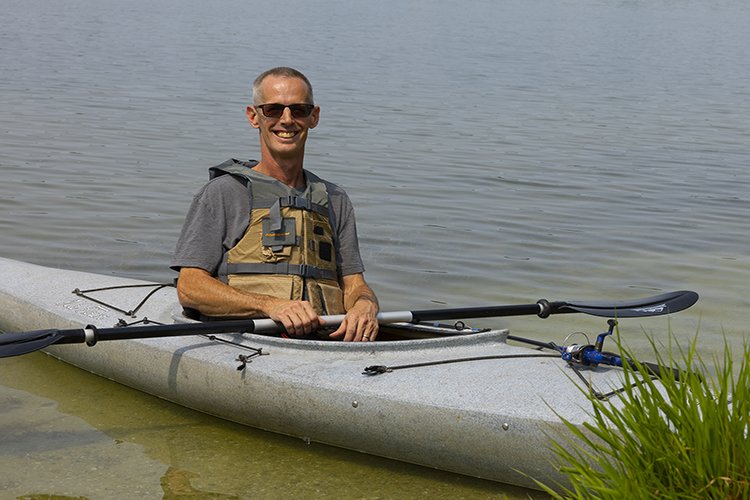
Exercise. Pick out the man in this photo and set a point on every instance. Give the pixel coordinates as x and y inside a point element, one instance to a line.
<point>270,239</point>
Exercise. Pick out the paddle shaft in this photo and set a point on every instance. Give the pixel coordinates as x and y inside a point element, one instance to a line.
<point>173,330</point>
<point>490,311</point>
<point>456,313</point>
<point>541,308</point>
<point>14,344</point>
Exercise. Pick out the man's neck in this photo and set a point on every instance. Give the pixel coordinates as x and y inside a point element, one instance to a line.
<point>288,172</point>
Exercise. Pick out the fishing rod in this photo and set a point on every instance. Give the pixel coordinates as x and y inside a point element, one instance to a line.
<point>594,355</point>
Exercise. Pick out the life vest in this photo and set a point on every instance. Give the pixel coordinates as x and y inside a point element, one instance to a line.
<point>288,249</point>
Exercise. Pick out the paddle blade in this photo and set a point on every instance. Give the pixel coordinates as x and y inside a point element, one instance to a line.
<point>16,344</point>
<point>666,303</point>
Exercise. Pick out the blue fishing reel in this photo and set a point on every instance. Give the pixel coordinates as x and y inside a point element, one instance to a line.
<point>592,355</point>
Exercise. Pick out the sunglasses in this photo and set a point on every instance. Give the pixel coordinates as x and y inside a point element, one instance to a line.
<point>275,110</point>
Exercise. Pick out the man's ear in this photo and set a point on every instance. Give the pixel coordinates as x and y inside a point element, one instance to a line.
<point>252,116</point>
<point>315,117</point>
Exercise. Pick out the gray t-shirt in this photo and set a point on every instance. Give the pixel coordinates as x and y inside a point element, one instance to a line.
<point>220,213</point>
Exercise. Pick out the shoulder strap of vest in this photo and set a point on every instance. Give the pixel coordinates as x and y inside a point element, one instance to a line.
<point>232,166</point>
<point>242,170</point>
<point>322,188</point>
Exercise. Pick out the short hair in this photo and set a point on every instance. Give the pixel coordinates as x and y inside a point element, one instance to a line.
<point>282,71</point>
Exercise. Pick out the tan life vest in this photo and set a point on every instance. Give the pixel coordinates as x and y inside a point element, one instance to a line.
<point>288,249</point>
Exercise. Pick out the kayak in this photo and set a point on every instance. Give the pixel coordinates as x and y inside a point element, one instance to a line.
<point>449,397</point>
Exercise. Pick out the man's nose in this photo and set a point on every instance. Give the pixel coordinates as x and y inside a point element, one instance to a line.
<point>286,115</point>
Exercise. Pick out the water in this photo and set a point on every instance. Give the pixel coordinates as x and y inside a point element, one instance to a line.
<point>496,153</point>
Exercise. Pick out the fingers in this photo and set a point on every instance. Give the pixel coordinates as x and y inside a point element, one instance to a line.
<point>357,328</point>
<point>369,330</point>
<point>298,317</point>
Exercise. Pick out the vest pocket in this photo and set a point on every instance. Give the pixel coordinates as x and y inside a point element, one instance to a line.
<point>327,297</point>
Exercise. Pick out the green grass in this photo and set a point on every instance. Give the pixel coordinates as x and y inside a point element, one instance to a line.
<point>669,439</point>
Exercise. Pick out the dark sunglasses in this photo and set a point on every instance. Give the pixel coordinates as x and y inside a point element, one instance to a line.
<point>275,110</point>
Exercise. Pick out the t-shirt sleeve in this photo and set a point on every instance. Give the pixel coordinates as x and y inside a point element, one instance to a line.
<point>212,224</point>
<point>348,258</point>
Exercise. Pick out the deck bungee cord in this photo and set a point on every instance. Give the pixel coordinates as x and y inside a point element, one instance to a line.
<point>379,369</point>
<point>130,312</point>
<point>243,359</point>
<point>576,356</point>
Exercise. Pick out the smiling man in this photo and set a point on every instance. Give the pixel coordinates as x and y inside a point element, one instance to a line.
<point>271,239</point>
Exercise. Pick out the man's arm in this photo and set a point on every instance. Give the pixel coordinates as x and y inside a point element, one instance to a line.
<point>197,289</point>
<point>361,304</point>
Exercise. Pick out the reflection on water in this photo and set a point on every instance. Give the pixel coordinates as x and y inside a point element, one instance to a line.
<point>45,451</point>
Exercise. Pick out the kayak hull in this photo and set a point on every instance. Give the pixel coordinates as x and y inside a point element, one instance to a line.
<point>488,418</point>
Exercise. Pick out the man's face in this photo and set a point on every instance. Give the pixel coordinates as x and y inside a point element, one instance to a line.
<point>284,136</point>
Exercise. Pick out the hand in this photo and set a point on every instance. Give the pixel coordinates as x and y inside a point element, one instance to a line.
<point>360,323</point>
<point>298,316</point>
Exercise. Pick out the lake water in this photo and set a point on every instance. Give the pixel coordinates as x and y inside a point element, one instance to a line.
<point>497,152</point>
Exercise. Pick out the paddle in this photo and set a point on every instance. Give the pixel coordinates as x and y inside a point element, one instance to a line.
<point>15,344</point>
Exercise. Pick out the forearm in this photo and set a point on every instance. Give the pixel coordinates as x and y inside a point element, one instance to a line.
<point>197,289</point>
<point>360,292</point>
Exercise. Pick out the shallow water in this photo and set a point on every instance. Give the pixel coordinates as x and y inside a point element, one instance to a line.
<point>66,432</point>
<point>496,153</point>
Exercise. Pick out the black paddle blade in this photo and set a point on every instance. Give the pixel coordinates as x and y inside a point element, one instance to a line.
<point>666,303</point>
<point>16,344</point>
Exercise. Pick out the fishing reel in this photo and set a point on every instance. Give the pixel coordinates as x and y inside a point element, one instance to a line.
<point>592,355</point>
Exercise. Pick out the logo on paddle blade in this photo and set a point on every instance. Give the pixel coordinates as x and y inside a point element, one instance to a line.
<point>652,309</point>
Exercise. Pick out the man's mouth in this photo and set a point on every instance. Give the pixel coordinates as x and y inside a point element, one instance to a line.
<point>286,134</point>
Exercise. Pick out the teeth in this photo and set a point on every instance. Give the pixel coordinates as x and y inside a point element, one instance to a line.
<point>286,135</point>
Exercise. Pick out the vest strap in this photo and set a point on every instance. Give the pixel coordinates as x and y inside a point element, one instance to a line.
<point>303,203</point>
<point>303,270</point>
<point>276,222</point>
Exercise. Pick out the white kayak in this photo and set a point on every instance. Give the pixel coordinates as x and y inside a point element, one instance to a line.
<point>473,404</point>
